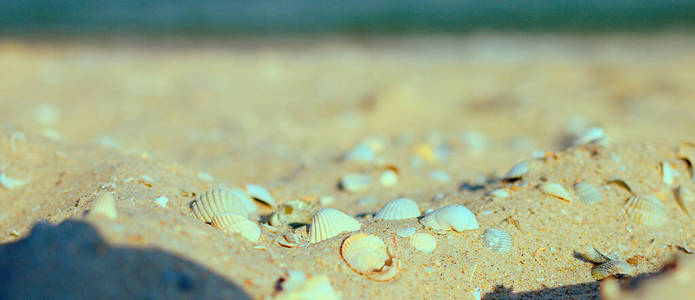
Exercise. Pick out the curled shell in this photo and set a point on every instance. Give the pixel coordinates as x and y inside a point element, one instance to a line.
<point>591,135</point>
<point>666,173</point>
<point>328,222</point>
<point>293,212</point>
<point>259,193</point>
<point>517,171</point>
<point>452,217</point>
<point>397,209</point>
<point>556,190</point>
<point>647,210</point>
<point>497,240</point>
<point>686,151</point>
<point>366,254</point>
<point>104,206</point>
<point>587,193</point>
<point>406,232</point>
<point>424,242</point>
<point>220,200</point>
<point>235,223</point>
<point>610,268</point>
<point>685,199</point>
<point>620,182</point>
<point>354,182</point>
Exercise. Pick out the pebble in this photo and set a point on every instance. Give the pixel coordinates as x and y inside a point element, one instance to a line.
<point>206,176</point>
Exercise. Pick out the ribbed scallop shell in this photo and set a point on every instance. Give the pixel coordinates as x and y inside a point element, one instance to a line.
<point>498,240</point>
<point>328,222</point>
<point>259,193</point>
<point>517,171</point>
<point>424,242</point>
<point>293,212</point>
<point>220,200</point>
<point>587,193</point>
<point>610,268</point>
<point>397,209</point>
<point>452,217</point>
<point>556,190</point>
<point>647,210</point>
<point>364,253</point>
<point>686,200</point>
<point>235,223</point>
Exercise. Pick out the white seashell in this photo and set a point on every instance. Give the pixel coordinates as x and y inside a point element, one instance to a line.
<point>424,242</point>
<point>610,268</point>
<point>556,190</point>
<point>406,232</point>
<point>597,257</point>
<point>354,182</point>
<point>104,206</point>
<point>591,135</point>
<point>686,200</point>
<point>220,200</point>
<point>517,171</point>
<point>666,173</point>
<point>259,193</point>
<point>388,178</point>
<point>162,201</point>
<point>361,152</point>
<point>686,151</point>
<point>647,210</point>
<point>328,222</point>
<point>316,287</point>
<point>326,200</point>
<point>235,223</point>
<point>364,253</point>
<point>499,193</point>
<point>497,240</point>
<point>452,217</point>
<point>11,183</point>
<point>587,193</point>
<point>398,209</point>
<point>293,212</point>
<point>439,175</point>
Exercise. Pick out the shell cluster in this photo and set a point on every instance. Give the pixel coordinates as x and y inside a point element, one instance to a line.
<point>452,217</point>
<point>328,222</point>
<point>398,209</point>
<point>228,210</point>
<point>367,255</point>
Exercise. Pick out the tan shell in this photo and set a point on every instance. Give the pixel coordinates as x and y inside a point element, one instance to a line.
<point>293,212</point>
<point>666,173</point>
<point>452,217</point>
<point>610,268</point>
<point>620,182</point>
<point>104,206</point>
<point>366,254</point>
<point>647,210</point>
<point>398,209</point>
<point>424,242</point>
<point>498,240</point>
<point>328,222</point>
<point>235,223</point>
<point>220,200</point>
<point>556,190</point>
<point>686,200</point>
<point>591,135</point>
<point>259,193</point>
<point>587,193</point>
<point>597,257</point>
<point>517,171</point>
<point>686,151</point>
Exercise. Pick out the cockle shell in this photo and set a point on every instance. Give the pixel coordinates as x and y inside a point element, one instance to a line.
<point>354,182</point>
<point>328,222</point>
<point>220,200</point>
<point>556,190</point>
<point>397,209</point>
<point>366,254</point>
<point>259,193</point>
<point>666,173</point>
<point>597,257</point>
<point>424,242</point>
<point>452,217</point>
<point>498,240</point>
<point>647,210</point>
<point>587,193</point>
<point>686,200</point>
<point>293,212</point>
<point>235,223</point>
<point>610,268</point>
<point>517,171</point>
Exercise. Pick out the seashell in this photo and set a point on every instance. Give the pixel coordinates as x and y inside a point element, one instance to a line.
<point>556,190</point>
<point>685,199</point>
<point>591,135</point>
<point>398,209</point>
<point>686,151</point>
<point>440,176</point>
<point>517,171</point>
<point>647,210</point>
<point>293,212</point>
<point>11,183</point>
<point>296,238</point>
<point>328,222</point>
<point>220,200</point>
<point>424,242</point>
<point>235,223</point>
<point>587,193</point>
<point>105,206</point>
<point>596,257</point>
<point>388,178</point>
<point>361,152</point>
<point>499,193</point>
<point>452,217</point>
<point>366,254</point>
<point>354,182</point>
<point>259,193</point>
<point>388,271</point>
<point>610,268</point>
<point>297,287</point>
<point>406,232</point>
<point>622,183</point>
<point>498,240</point>
<point>666,173</point>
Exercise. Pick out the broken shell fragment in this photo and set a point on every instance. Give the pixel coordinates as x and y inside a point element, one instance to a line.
<point>295,238</point>
<point>556,190</point>
<point>259,193</point>
<point>235,223</point>
<point>587,193</point>
<point>424,242</point>
<point>647,210</point>
<point>610,268</point>
<point>366,254</point>
<point>517,171</point>
<point>220,200</point>
<point>686,200</point>
<point>104,206</point>
<point>354,182</point>
<point>398,209</point>
<point>498,240</point>
<point>293,212</point>
<point>328,222</point>
<point>406,232</point>
<point>666,173</point>
<point>452,217</point>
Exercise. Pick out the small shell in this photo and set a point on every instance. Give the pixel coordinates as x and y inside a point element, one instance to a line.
<point>424,242</point>
<point>105,206</point>
<point>11,183</point>
<point>388,271</point>
<point>354,182</point>
<point>686,151</point>
<point>361,152</point>
<point>328,222</point>
<point>587,193</point>
<point>497,240</point>
<point>220,200</point>
<point>591,135</point>
<point>517,171</point>
<point>316,287</point>
<point>451,217</point>
<point>610,268</point>
<point>686,200</point>
<point>406,232</point>
<point>397,209</point>
<point>666,173</point>
<point>620,182</point>
<point>647,210</point>
<point>235,223</point>
<point>259,193</point>
<point>597,257</point>
<point>364,253</point>
<point>499,193</point>
<point>388,178</point>
<point>556,190</point>
<point>293,212</point>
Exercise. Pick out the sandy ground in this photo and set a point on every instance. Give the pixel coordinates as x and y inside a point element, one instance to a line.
<point>173,119</point>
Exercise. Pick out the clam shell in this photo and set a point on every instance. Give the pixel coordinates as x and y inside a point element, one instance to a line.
<point>354,182</point>
<point>666,173</point>
<point>517,171</point>
<point>220,200</point>
<point>591,135</point>
<point>235,223</point>
<point>424,242</point>
<point>556,190</point>
<point>647,210</point>
<point>406,232</point>
<point>104,206</point>
<point>293,212</point>
<point>259,193</point>
<point>498,240</point>
<point>587,193</point>
<point>328,222</point>
<point>452,217</point>
<point>610,268</point>
<point>364,253</point>
<point>686,200</point>
<point>397,209</point>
